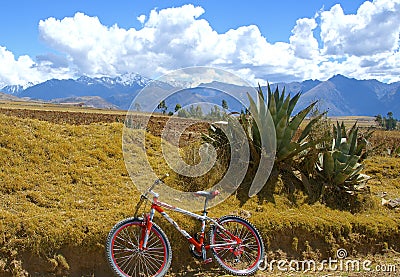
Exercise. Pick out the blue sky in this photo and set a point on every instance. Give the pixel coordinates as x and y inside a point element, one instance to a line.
<point>275,19</point>
<point>259,40</point>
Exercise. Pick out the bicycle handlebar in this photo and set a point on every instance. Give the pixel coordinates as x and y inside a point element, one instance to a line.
<point>144,196</point>
<point>156,182</point>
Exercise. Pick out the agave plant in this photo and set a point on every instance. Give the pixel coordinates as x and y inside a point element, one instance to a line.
<point>280,109</point>
<point>340,167</point>
<point>270,131</point>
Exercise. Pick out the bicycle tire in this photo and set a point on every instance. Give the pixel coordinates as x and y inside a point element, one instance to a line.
<point>251,250</point>
<point>124,257</point>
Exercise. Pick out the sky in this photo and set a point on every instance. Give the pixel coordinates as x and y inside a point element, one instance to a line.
<point>260,41</point>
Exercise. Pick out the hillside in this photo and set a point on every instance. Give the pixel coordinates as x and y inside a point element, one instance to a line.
<point>63,186</point>
<point>9,97</point>
<point>87,101</point>
<point>341,96</point>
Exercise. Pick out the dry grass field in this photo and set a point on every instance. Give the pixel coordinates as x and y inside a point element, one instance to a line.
<point>362,121</point>
<point>63,185</point>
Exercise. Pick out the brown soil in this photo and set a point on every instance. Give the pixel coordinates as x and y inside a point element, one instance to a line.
<point>84,264</point>
<point>155,124</point>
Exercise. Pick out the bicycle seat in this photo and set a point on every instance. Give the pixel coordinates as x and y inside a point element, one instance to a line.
<point>207,194</point>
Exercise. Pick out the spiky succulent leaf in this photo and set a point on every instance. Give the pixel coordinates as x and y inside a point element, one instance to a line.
<point>353,140</point>
<point>339,166</point>
<point>345,156</point>
<point>337,131</point>
<point>328,164</point>
<point>343,129</point>
<point>262,107</point>
<point>283,109</point>
<point>309,126</point>
<point>294,149</point>
<point>280,130</point>
<point>276,97</point>
<point>357,170</point>
<point>298,118</point>
<point>285,151</point>
<point>293,102</point>
<point>256,137</point>
<point>260,93</point>
<point>340,178</point>
<point>272,105</point>
<point>280,108</point>
<point>344,147</point>
<point>282,97</point>
<point>293,126</point>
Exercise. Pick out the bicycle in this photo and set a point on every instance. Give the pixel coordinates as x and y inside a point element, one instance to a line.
<point>139,247</point>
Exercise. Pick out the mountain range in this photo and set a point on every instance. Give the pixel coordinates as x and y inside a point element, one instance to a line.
<point>339,95</point>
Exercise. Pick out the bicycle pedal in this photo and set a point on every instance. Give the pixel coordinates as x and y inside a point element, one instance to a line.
<point>207,261</point>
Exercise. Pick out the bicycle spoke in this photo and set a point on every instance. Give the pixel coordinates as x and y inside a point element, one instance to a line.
<point>242,257</point>
<point>132,261</point>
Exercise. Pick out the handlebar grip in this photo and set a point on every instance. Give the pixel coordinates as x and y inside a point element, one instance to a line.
<point>158,181</point>
<point>163,177</point>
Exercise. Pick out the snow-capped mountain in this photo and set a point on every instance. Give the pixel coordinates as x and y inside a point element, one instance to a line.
<point>118,90</point>
<point>130,79</point>
<point>127,80</point>
<point>15,89</point>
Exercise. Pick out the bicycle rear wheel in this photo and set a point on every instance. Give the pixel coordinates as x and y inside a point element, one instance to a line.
<point>125,257</point>
<point>244,258</point>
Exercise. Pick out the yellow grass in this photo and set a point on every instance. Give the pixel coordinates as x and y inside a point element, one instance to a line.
<point>62,188</point>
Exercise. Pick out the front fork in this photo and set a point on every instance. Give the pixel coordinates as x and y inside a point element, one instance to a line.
<point>202,237</point>
<point>147,224</point>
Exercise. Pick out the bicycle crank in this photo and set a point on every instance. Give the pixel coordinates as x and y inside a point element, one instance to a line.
<point>193,250</point>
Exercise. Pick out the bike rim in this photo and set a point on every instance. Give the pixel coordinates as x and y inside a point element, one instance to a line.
<point>250,250</point>
<point>129,260</point>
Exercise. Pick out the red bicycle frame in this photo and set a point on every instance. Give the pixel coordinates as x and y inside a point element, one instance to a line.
<point>200,246</point>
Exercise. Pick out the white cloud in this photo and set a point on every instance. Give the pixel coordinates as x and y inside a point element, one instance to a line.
<point>361,45</point>
<point>171,38</point>
<point>374,29</point>
<point>14,71</point>
<point>24,70</point>
<point>141,18</point>
<point>303,42</point>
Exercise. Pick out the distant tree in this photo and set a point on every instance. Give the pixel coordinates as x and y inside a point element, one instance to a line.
<point>137,107</point>
<point>195,111</point>
<point>191,112</point>
<point>162,106</point>
<point>183,113</point>
<point>224,104</point>
<point>170,113</point>
<point>178,107</point>
<point>379,120</point>
<point>199,112</point>
<point>390,122</point>
<point>215,113</point>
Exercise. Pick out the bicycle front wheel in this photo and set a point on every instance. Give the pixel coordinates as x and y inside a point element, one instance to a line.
<point>125,257</point>
<point>241,259</point>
